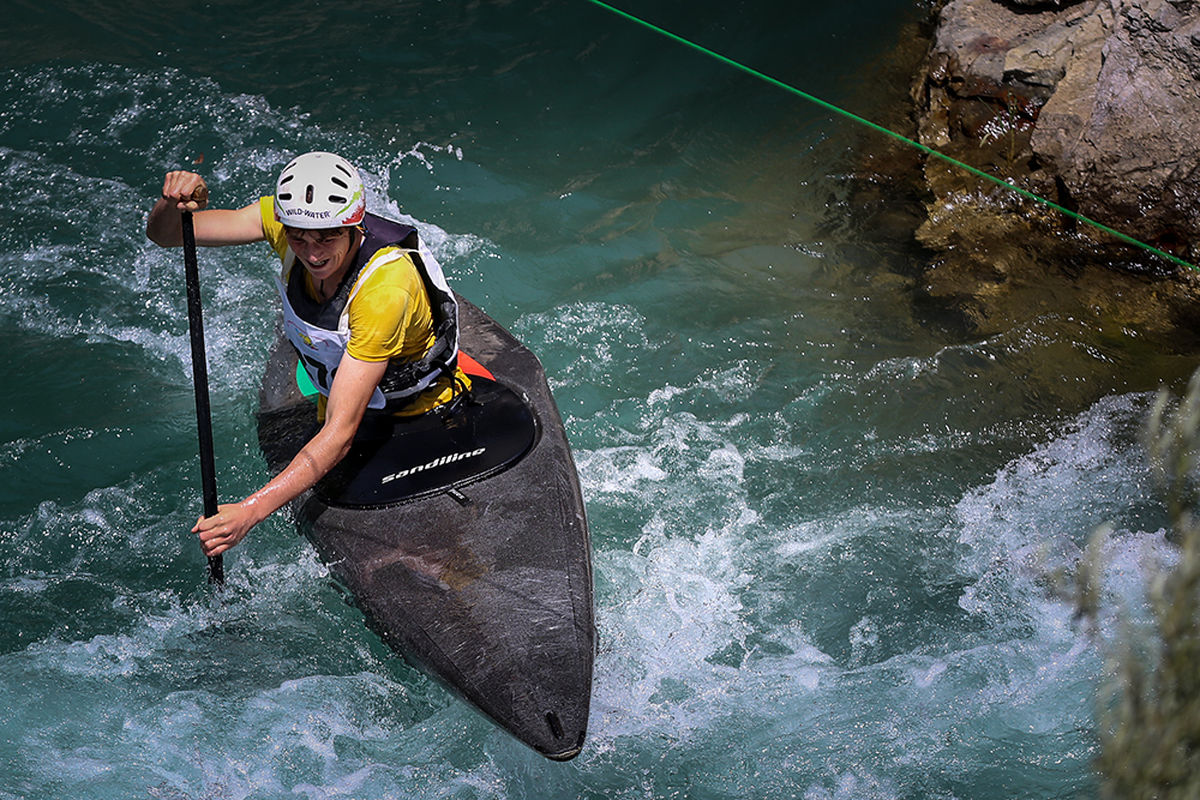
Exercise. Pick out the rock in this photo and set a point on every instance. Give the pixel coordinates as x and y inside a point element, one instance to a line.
<point>1094,104</point>
<point>1041,3</point>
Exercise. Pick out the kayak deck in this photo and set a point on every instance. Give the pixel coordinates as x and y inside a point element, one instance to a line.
<point>399,461</point>
<point>484,580</point>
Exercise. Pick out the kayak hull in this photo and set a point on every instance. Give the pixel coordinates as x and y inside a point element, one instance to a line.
<point>483,580</point>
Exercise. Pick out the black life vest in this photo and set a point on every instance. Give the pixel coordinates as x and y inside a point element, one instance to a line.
<point>404,379</point>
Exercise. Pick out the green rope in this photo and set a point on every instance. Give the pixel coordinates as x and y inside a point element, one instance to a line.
<point>879,128</point>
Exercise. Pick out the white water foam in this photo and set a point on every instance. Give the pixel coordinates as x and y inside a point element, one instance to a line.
<point>1019,668</point>
<point>1042,508</point>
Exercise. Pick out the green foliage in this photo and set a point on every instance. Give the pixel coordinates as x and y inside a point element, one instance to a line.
<point>1149,710</point>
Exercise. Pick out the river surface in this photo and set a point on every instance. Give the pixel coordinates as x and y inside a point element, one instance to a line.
<point>826,517</point>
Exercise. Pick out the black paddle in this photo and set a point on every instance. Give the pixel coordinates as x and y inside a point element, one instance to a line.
<point>208,473</point>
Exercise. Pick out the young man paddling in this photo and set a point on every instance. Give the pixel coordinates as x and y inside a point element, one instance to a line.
<point>356,294</point>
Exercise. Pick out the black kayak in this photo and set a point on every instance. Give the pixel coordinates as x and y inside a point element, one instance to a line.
<point>461,536</point>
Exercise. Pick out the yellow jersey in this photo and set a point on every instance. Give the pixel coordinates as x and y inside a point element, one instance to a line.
<point>388,314</point>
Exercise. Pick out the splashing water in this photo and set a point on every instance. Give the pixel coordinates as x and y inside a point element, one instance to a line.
<point>827,527</point>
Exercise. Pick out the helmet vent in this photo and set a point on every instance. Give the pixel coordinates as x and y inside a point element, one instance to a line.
<point>339,181</point>
<point>287,196</point>
<point>308,195</point>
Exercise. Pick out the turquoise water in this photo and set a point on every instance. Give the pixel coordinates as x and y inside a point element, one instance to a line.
<point>825,513</point>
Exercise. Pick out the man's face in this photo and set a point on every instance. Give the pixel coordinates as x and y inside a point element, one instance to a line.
<point>322,252</point>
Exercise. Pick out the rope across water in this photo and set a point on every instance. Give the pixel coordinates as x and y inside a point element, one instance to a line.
<point>880,129</point>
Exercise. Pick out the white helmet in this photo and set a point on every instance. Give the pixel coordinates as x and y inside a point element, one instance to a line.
<point>319,190</point>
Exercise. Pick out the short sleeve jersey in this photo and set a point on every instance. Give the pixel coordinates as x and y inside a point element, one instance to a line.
<point>388,314</point>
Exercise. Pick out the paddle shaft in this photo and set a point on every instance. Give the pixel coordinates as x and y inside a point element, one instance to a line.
<point>208,472</point>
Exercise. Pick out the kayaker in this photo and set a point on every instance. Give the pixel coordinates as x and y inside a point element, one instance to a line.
<point>359,312</point>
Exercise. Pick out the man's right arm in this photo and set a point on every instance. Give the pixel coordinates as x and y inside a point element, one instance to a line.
<point>186,191</point>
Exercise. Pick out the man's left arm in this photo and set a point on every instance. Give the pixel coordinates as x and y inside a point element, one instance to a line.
<point>352,388</point>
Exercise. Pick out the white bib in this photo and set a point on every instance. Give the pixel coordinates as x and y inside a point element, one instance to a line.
<point>321,350</point>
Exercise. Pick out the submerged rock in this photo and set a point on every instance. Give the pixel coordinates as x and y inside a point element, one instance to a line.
<point>1092,104</point>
